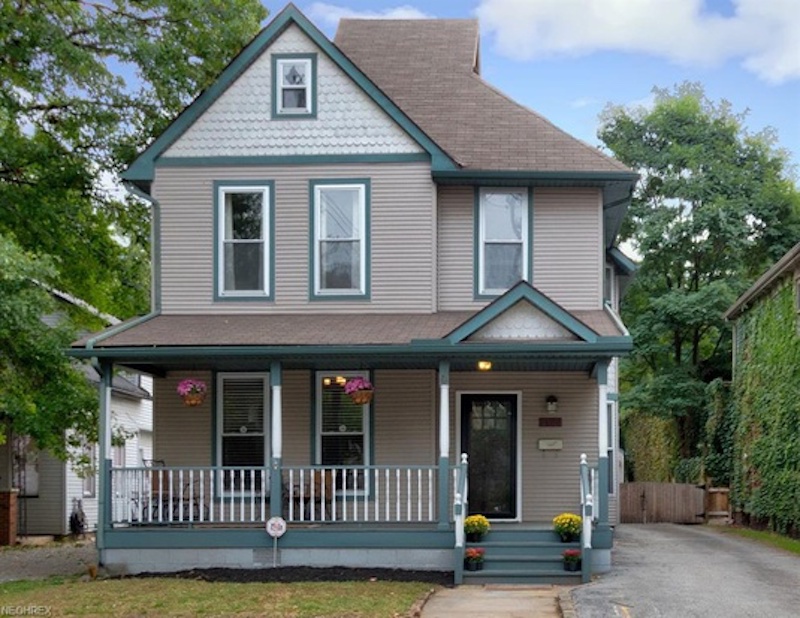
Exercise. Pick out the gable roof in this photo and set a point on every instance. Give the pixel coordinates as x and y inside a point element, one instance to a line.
<point>787,263</point>
<point>141,171</point>
<point>438,85</point>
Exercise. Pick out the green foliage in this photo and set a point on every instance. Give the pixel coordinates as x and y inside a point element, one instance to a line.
<point>719,434</point>
<point>83,87</point>
<point>713,209</point>
<point>767,402</point>
<point>41,394</point>
<point>689,470</point>
<point>650,446</point>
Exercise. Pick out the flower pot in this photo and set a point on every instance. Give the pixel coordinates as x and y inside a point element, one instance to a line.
<point>361,397</point>
<point>193,399</point>
<point>474,537</point>
<point>566,537</point>
<point>470,565</point>
<point>572,566</point>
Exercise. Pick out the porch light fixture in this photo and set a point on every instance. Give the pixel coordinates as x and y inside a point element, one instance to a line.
<point>484,365</point>
<point>552,404</point>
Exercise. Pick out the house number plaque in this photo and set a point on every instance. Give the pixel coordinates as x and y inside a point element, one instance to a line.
<point>551,445</point>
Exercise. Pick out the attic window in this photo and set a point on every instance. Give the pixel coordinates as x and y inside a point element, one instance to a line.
<point>295,85</point>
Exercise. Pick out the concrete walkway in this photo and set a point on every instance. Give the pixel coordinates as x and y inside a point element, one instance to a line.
<point>498,601</point>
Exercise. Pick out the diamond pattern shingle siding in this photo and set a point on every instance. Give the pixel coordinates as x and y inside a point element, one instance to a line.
<point>238,123</point>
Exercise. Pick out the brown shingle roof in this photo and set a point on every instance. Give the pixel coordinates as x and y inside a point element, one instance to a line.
<point>428,68</point>
<point>302,330</point>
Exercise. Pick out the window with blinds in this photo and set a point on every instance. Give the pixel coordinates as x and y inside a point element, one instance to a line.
<point>242,427</point>
<point>342,429</point>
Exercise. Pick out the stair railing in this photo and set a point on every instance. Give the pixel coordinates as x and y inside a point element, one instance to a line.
<point>460,501</point>
<point>587,508</point>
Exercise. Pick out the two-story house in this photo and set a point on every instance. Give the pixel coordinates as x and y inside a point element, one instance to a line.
<point>371,207</point>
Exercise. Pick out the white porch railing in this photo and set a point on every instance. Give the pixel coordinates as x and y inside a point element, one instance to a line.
<point>360,494</point>
<point>588,486</point>
<point>215,495</point>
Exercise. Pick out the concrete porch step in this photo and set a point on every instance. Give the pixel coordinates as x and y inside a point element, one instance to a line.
<point>520,576</point>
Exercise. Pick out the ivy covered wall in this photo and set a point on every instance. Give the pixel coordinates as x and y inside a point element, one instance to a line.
<point>766,406</point>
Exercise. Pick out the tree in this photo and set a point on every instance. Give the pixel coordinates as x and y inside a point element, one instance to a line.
<point>713,209</point>
<point>42,394</point>
<point>83,86</point>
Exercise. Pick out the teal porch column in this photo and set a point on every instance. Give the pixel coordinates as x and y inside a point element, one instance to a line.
<point>106,370</point>
<point>276,434</point>
<point>444,445</point>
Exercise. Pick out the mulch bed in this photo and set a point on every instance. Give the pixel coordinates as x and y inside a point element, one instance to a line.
<point>310,574</point>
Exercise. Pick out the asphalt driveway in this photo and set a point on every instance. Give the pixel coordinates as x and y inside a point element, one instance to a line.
<point>666,571</point>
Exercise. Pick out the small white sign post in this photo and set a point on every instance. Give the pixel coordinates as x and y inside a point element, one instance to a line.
<point>276,528</point>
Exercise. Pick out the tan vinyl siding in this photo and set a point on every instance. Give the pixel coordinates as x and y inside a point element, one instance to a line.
<point>404,418</point>
<point>296,401</point>
<point>182,436</point>
<point>549,479</point>
<point>402,226</point>
<point>567,246</point>
<point>456,207</point>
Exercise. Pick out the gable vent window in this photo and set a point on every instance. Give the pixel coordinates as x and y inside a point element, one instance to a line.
<point>294,85</point>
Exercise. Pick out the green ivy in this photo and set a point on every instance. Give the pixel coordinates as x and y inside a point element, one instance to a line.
<point>766,463</point>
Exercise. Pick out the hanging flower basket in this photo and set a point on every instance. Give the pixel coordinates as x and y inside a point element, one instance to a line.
<point>193,392</point>
<point>360,390</point>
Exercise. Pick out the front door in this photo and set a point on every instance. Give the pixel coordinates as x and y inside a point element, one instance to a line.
<point>489,438</point>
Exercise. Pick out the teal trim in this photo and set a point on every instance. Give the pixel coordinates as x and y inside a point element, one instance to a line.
<point>602,347</point>
<point>600,372</point>
<point>142,169</point>
<point>603,536</point>
<point>312,91</point>
<point>313,295</point>
<point>444,493</point>
<point>275,375</point>
<point>602,490</point>
<point>155,242</point>
<point>444,373</point>
<point>116,330</point>
<point>612,397</point>
<point>623,263</point>
<point>524,291</point>
<point>104,478</point>
<point>477,259</point>
<point>291,160</point>
<point>269,249</point>
<point>524,178</point>
<point>326,537</point>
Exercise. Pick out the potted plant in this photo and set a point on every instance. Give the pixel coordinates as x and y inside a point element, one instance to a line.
<point>475,526</point>
<point>572,559</point>
<point>360,390</point>
<point>193,392</point>
<point>568,526</point>
<point>473,558</point>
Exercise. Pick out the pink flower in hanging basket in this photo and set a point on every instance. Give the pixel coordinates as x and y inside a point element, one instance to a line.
<point>190,386</point>
<point>357,384</point>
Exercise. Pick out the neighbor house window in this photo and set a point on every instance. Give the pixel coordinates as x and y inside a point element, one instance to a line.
<point>242,421</point>
<point>25,466</point>
<point>89,480</point>
<point>503,239</point>
<point>340,237</point>
<point>244,246</point>
<point>295,77</point>
<point>342,430</point>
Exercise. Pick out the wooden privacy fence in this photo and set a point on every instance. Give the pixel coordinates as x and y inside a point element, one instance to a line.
<point>648,503</point>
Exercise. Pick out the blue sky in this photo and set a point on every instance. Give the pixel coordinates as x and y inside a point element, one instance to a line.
<point>567,59</point>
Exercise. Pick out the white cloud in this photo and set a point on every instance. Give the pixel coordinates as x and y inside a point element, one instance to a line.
<point>582,102</point>
<point>331,13</point>
<point>763,34</point>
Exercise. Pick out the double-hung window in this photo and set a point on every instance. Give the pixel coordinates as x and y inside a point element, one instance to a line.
<point>342,431</point>
<point>242,421</point>
<point>294,85</point>
<point>340,238</point>
<point>244,240</point>
<point>503,239</point>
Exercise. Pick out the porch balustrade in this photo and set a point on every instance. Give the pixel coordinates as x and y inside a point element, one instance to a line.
<point>309,494</point>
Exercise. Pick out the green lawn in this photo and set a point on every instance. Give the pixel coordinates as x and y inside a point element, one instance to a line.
<point>770,538</point>
<point>180,597</point>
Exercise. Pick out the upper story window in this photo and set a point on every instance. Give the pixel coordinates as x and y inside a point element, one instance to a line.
<point>503,239</point>
<point>244,240</point>
<point>294,85</point>
<point>340,212</point>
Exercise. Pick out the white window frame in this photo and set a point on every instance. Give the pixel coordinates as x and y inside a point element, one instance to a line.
<point>220,417</point>
<point>365,424</point>
<point>279,87</point>
<point>266,235</point>
<point>483,240</point>
<point>89,481</point>
<point>611,453</point>
<point>362,222</point>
